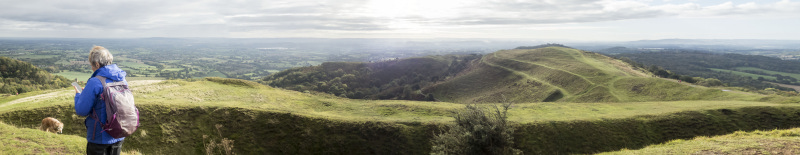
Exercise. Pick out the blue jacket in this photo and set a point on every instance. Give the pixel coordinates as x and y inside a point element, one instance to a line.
<point>90,99</point>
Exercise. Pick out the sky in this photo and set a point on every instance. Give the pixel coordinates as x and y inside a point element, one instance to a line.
<point>578,20</point>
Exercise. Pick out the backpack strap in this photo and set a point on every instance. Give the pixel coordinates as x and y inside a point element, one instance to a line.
<point>94,112</point>
<point>96,120</point>
<point>102,80</point>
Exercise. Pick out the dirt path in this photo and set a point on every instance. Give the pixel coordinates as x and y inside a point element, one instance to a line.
<point>41,97</point>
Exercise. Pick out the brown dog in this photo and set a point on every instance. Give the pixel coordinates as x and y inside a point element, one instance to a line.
<point>50,124</point>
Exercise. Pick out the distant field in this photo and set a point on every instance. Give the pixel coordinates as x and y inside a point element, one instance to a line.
<point>135,65</point>
<point>143,78</point>
<point>793,75</point>
<point>216,74</point>
<point>173,69</point>
<point>754,76</point>
<point>73,75</point>
<point>83,76</point>
<point>31,56</point>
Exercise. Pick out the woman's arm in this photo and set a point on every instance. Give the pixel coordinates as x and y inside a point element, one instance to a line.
<point>84,101</point>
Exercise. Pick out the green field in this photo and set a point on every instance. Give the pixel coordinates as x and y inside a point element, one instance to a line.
<point>754,76</point>
<point>71,75</point>
<point>793,75</point>
<point>214,74</point>
<point>136,65</point>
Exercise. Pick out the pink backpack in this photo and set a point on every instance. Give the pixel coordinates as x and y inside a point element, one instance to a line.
<point>122,116</point>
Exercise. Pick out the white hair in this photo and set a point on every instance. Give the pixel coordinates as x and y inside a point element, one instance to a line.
<point>101,56</point>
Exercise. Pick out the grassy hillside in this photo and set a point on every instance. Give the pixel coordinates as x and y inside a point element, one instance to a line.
<point>15,140</point>
<point>541,74</point>
<point>185,116</point>
<point>563,75</point>
<point>182,117</point>
<point>786,141</point>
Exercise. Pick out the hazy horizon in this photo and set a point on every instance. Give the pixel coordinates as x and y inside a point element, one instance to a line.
<point>567,20</point>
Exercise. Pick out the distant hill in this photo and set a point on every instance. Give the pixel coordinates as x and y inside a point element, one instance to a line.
<point>718,43</point>
<point>21,77</point>
<point>558,74</point>
<point>392,79</point>
<point>545,74</point>
<point>749,71</point>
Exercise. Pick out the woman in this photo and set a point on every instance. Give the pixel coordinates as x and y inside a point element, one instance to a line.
<point>88,103</point>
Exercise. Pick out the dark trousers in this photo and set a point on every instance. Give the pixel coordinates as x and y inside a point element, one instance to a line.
<point>104,149</point>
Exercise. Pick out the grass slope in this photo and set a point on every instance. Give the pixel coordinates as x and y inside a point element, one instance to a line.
<point>15,140</point>
<point>563,75</point>
<point>182,117</point>
<point>786,141</point>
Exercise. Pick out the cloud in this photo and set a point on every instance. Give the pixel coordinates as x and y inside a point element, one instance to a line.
<point>155,17</point>
<point>304,21</point>
<point>548,12</point>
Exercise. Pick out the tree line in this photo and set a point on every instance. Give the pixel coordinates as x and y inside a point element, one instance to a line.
<point>21,77</point>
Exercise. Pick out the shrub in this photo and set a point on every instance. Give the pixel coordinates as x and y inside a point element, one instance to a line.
<point>476,133</point>
<point>224,146</point>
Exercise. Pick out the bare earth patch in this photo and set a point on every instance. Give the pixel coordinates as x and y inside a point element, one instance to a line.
<point>20,140</point>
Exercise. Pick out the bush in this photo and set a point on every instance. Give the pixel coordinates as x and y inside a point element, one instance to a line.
<point>476,133</point>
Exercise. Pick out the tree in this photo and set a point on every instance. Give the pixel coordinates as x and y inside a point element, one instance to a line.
<point>476,133</point>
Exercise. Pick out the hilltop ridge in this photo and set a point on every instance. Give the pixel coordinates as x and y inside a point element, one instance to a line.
<point>546,73</point>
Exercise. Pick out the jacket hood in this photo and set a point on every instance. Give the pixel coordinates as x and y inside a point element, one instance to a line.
<point>111,72</point>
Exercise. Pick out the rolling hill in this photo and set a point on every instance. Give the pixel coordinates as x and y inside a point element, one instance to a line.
<point>194,116</point>
<point>392,79</point>
<point>183,117</point>
<point>748,71</point>
<point>542,74</point>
